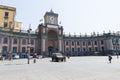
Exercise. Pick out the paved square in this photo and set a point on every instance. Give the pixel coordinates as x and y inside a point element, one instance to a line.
<point>75,68</point>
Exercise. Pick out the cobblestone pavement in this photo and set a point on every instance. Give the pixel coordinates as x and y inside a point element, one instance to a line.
<point>75,68</point>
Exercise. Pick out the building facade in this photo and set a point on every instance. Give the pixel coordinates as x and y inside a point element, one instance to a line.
<point>104,44</point>
<point>49,38</point>
<point>50,34</point>
<point>7,18</point>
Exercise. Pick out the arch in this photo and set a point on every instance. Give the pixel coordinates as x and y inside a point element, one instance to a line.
<point>52,41</point>
<point>52,34</point>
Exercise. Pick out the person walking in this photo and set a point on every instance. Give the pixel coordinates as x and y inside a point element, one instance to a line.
<point>109,58</point>
<point>34,56</point>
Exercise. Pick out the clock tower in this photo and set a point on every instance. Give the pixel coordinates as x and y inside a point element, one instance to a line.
<point>50,35</point>
<point>51,18</point>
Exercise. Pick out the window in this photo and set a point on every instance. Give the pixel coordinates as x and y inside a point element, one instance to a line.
<point>95,43</point>
<point>102,48</point>
<point>102,42</point>
<point>72,49</point>
<point>89,43</point>
<point>32,41</point>
<point>14,49</point>
<point>84,49</point>
<point>5,41</point>
<point>23,49</point>
<point>83,43</point>
<point>15,41</point>
<point>90,49</point>
<point>24,41</point>
<point>6,14</point>
<point>4,49</point>
<point>67,49</point>
<point>72,43</point>
<point>96,49</point>
<point>67,43</point>
<point>78,43</point>
<point>5,24</point>
<point>78,49</point>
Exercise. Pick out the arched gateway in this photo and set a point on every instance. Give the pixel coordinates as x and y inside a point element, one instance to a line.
<point>52,41</point>
<point>50,35</point>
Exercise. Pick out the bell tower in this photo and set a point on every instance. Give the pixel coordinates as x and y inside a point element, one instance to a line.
<point>50,34</point>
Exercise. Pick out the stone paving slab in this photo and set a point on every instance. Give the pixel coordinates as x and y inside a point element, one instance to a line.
<point>75,68</point>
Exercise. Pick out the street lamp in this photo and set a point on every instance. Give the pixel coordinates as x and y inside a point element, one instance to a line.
<point>10,46</point>
<point>29,44</point>
<point>116,45</point>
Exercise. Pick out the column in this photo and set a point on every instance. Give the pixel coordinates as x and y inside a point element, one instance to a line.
<point>43,45</point>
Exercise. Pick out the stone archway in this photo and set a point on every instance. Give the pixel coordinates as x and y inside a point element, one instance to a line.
<point>52,41</point>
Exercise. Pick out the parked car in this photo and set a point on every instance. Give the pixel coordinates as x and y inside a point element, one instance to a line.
<point>16,57</point>
<point>58,57</point>
<point>23,55</point>
<point>30,57</point>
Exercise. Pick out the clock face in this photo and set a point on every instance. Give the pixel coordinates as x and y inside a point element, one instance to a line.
<point>52,20</point>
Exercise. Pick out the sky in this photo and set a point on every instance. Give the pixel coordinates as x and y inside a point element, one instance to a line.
<point>76,16</point>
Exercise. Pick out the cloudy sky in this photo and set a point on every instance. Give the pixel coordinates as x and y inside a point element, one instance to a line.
<point>76,16</point>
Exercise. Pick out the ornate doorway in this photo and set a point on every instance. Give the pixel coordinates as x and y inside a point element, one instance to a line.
<point>52,42</point>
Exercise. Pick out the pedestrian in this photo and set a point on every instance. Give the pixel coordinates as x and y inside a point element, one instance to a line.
<point>9,56</point>
<point>34,56</point>
<point>64,59</point>
<point>109,58</point>
<point>68,56</point>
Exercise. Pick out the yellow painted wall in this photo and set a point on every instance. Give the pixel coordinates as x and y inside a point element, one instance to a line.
<point>17,25</point>
<point>11,15</point>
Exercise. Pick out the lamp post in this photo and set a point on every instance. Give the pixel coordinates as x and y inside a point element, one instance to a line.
<point>28,47</point>
<point>10,45</point>
<point>116,44</point>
